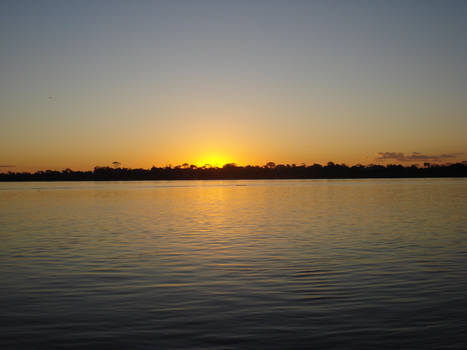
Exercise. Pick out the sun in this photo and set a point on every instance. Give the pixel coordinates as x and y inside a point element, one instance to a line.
<point>213,159</point>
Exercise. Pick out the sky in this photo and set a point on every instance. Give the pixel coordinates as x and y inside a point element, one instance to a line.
<point>86,83</point>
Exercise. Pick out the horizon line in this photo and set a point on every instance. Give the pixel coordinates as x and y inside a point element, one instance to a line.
<point>270,165</point>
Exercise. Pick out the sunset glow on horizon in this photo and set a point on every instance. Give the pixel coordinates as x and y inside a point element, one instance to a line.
<point>211,82</point>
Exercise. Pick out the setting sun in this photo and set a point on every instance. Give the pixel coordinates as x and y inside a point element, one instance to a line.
<point>213,159</point>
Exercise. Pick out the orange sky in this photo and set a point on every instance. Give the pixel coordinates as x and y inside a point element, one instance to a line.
<point>157,83</point>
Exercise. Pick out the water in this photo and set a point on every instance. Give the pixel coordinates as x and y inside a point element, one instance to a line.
<point>234,264</point>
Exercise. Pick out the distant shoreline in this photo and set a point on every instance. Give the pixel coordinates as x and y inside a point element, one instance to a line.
<point>234,172</point>
<point>253,179</point>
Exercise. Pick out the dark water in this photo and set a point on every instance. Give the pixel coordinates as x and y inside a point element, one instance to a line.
<point>364,264</point>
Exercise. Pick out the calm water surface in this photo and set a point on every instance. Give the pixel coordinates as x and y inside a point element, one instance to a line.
<point>234,264</point>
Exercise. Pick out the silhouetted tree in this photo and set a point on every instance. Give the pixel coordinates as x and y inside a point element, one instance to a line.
<point>233,171</point>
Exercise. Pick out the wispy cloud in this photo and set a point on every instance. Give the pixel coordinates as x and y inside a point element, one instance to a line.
<point>415,156</point>
<point>6,166</point>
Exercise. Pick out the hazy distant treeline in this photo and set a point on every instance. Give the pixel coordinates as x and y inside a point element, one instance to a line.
<point>232,171</point>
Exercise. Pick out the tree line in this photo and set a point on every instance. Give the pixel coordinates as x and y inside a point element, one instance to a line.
<point>232,171</point>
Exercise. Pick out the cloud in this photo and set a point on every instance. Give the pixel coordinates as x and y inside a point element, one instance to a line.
<point>6,166</point>
<point>390,156</point>
<point>414,157</point>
